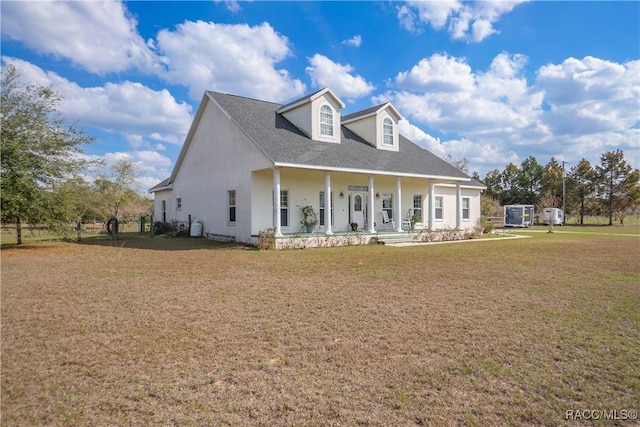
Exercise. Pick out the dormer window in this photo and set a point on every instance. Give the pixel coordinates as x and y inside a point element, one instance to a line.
<point>387,131</point>
<point>326,121</point>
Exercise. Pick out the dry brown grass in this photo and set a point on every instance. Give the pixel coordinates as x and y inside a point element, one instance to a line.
<point>509,332</point>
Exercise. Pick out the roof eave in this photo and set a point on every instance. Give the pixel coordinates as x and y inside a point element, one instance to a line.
<point>307,99</point>
<point>372,172</point>
<point>165,187</point>
<point>375,113</point>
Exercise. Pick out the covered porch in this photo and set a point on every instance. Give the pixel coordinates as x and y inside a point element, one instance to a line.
<point>369,203</point>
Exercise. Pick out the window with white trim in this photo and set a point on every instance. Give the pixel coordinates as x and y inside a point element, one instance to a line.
<point>326,121</point>
<point>387,131</point>
<point>387,204</point>
<point>232,205</point>
<point>417,206</point>
<point>179,204</point>
<point>164,211</point>
<point>465,208</point>
<point>323,207</point>
<point>439,207</point>
<point>284,208</point>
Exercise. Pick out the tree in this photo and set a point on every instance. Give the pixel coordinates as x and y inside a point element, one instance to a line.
<point>493,182</point>
<point>115,188</point>
<point>529,181</point>
<point>551,181</point>
<point>582,180</point>
<point>618,184</point>
<point>39,151</point>
<point>510,191</point>
<point>462,165</point>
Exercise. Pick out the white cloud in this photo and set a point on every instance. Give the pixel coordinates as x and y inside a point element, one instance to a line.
<point>324,72</point>
<point>435,13</point>
<point>470,21</point>
<point>477,153</point>
<point>439,73</point>
<point>355,41</point>
<point>445,93</point>
<point>150,166</point>
<point>98,36</point>
<point>231,5</point>
<point>591,95</point>
<point>420,137</point>
<point>231,58</point>
<point>579,108</point>
<point>128,108</point>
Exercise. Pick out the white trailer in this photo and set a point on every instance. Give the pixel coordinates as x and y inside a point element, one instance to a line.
<point>518,215</point>
<point>554,216</point>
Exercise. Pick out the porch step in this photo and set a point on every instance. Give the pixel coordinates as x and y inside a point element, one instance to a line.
<point>394,238</point>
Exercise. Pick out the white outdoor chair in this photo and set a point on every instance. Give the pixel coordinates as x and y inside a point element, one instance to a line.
<point>387,221</point>
<point>406,222</point>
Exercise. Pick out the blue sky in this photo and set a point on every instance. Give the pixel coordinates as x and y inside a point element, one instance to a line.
<point>490,81</point>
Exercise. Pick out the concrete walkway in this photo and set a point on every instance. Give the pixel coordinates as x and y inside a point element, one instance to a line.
<point>495,239</point>
<point>556,231</point>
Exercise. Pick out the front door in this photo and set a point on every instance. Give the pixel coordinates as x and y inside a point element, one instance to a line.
<point>359,209</point>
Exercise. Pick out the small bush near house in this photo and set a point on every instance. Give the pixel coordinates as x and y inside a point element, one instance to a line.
<point>160,227</point>
<point>266,239</point>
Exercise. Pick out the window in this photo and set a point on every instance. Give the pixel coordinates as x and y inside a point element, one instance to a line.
<point>438,207</point>
<point>326,121</point>
<point>387,131</point>
<point>387,204</point>
<point>323,206</point>
<point>465,208</point>
<point>232,206</point>
<point>284,208</point>
<point>164,211</point>
<point>417,206</point>
<point>357,204</point>
<point>179,204</point>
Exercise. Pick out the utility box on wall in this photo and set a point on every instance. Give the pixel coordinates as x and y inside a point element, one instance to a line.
<point>518,215</point>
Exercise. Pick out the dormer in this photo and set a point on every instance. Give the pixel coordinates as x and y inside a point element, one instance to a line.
<point>377,125</point>
<point>317,115</point>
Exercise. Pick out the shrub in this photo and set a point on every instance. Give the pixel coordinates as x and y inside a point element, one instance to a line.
<point>160,227</point>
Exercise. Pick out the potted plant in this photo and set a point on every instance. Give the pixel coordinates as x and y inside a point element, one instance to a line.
<point>309,218</point>
<point>414,219</point>
<point>354,226</point>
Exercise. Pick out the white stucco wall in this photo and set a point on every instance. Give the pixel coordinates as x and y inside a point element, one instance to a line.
<point>164,195</point>
<point>448,194</point>
<point>365,128</point>
<point>219,158</point>
<point>301,118</point>
<point>304,187</point>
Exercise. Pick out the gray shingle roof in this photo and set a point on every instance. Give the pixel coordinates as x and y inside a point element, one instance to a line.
<point>284,143</point>
<point>362,112</point>
<point>160,185</point>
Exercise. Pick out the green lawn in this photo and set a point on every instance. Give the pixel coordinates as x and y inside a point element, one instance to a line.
<point>190,332</point>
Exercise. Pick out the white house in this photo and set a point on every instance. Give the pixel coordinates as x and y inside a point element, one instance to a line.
<point>249,165</point>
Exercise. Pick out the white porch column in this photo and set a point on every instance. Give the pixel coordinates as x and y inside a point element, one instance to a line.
<point>371,212</point>
<point>276,200</point>
<point>432,207</point>
<point>397,215</point>
<point>458,207</point>
<point>327,203</point>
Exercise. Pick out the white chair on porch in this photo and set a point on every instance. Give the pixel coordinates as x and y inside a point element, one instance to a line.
<point>406,221</point>
<point>386,221</point>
